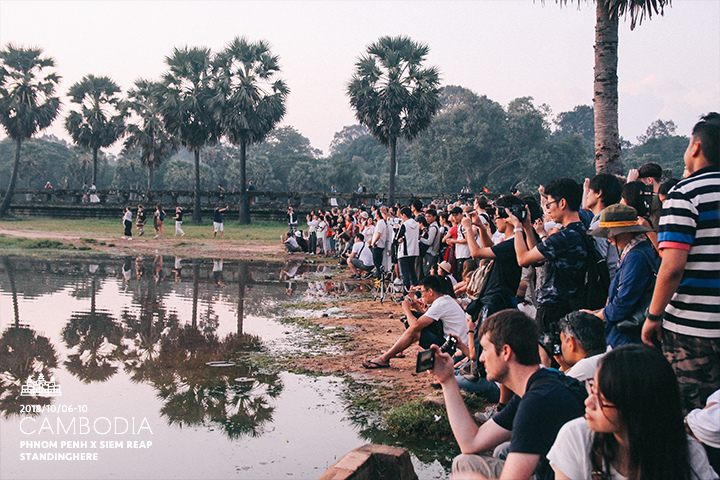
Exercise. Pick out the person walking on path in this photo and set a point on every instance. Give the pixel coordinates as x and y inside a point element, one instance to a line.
<point>158,221</point>
<point>140,221</point>
<point>127,222</point>
<point>178,222</point>
<point>218,221</point>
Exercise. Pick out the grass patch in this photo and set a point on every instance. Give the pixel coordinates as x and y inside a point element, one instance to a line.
<point>22,243</point>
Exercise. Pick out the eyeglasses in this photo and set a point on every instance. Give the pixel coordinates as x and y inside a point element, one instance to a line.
<point>547,204</point>
<point>592,390</point>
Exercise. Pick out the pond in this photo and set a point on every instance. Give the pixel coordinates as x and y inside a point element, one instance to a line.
<point>147,368</point>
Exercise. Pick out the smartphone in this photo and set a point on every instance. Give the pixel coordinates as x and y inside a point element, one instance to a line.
<point>425,361</point>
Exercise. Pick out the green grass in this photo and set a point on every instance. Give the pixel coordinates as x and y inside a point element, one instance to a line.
<point>88,229</point>
<point>21,243</point>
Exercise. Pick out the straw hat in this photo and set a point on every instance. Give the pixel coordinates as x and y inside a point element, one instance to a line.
<point>616,219</point>
<point>445,266</point>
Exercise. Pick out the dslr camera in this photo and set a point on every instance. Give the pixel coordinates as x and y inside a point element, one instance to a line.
<point>551,344</point>
<point>426,358</point>
<point>518,210</point>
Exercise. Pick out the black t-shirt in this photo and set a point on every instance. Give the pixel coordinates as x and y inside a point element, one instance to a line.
<point>505,274</point>
<point>536,417</point>
<point>178,216</point>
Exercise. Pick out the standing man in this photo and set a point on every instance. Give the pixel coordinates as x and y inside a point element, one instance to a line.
<point>685,307</point>
<point>408,247</point>
<point>218,221</point>
<point>600,192</point>
<point>140,221</point>
<point>292,220</point>
<point>650,174</point>
<point>432,241</point>
<point>178,222</point>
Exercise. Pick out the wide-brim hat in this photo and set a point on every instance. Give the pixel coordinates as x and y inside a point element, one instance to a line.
<point>445,266</point>
<point>616,219</point>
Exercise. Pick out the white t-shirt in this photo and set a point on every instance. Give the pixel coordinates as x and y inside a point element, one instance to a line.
<point>380,234</point>
<point>411,240</point>
<point>705,423</point>
<point>571,454</point>
<point>447,310</point>
<point>363,253</point>
<point>585,368</point>
<point>461,249</point>
<point>292,242</point>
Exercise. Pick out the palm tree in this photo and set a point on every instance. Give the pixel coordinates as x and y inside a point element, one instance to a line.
<point>27,104</point>
<point>605,99</point>
<point>393,95</point>
<point>99,123</point>
<point>189,105</point>
<point>149,134</point>
<point>253,99</point>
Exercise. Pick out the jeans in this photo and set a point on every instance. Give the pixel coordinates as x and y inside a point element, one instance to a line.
<point>378,260</point>
<point>407,271</point>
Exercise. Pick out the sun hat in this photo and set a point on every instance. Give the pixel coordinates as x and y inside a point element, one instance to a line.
<point>445,266</point>
<point>364,215</point>
<point>616,219</point>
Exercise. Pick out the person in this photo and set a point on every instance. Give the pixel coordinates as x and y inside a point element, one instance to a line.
<point>292,220</point>
<point>218,220</point>
<point>704,425</point>
<point>408,247</point>
<point>382,236</point>
<point>686,300</point>
<point>600,192</point>
<point>333,200</point>
<point>444,269</point>
<point>93,194</point>
<point>48,186</point>
<point>291,244</point>
<point>443,317</point>
<point>360,259</point>
<point>312,222</point>
<point>178,222</point>
<point>634,194</point>
<point>542,404</point>
<point>564,253</point>
<point>633,425</point>
<point>635,277</point>
<point>140,221</point>
<point>582,344</point>
<point>127,223</point>
<point>650,174</point>
<point>665,188</point>
<point>158,221</point>
<point>432,240</point>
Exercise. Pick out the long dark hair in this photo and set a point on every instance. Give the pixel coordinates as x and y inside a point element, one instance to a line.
<point>639,381</point>
<point>635,196</point>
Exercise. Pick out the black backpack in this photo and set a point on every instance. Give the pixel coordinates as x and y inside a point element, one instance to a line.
<point>594,293</point>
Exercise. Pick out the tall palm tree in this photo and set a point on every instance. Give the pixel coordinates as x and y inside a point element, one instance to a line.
<point>149,134</point>
<point>393,95</point>
<point>27,104</point>
<point>99,123</point>
<point>253,99</point>
<point>605,99</point>
<point>189,105</point>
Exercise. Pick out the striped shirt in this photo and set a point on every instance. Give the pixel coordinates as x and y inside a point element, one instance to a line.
<point>691,221</point>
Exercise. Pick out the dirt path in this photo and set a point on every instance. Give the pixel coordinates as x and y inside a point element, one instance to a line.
<point>372,328</point>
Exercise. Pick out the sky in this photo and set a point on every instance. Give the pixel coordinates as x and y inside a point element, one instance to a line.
<point>669,67</point>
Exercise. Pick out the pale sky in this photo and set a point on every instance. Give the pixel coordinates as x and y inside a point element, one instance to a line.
<point>669,66</point>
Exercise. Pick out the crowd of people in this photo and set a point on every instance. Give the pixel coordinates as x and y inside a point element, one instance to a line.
<point>588,314</point>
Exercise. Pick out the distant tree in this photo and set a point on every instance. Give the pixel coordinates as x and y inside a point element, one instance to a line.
<point>659,129</point>
<point>580,120</point>
<point>149,134</point>
<point>27,104</point>
<point>342,139</point>
<point>99,123</point>
<point>188,103</point>
<point>605,99</point>
<point>253,99</point>
<point>393,94</point>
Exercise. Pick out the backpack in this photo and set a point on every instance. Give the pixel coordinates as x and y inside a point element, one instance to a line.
<point>162,215</point>
<point>594,293</point>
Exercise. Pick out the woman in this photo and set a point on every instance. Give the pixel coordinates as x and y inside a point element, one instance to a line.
<point>633,425</point>
<point>635,278</point>
<point>127,222</point>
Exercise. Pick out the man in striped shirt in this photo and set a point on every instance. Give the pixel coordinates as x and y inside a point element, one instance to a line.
<point>685,308</point>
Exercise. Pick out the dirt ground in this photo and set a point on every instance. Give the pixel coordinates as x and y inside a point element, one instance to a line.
<point>373,327</point>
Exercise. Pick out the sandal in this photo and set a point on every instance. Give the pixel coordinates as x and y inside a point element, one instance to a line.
<point>370,365</point>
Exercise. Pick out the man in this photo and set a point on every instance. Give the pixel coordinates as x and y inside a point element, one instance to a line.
<point>292,220</point>
<point>650,174</point>
<point>444,317</point>
<point>462,252</point>
<point>380,241</point>
<point>360,259</point>
<point>686,301</point>
<point>564,253</point>
<point>218,220</point>
<point>600,192</point>
<point>291,244</point>
<point>432,240</point>
<point>582,344</point>
<point>408,247</point>
<point>541,406</point>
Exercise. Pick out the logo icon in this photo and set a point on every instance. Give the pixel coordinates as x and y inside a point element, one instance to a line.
<point>40,387</point>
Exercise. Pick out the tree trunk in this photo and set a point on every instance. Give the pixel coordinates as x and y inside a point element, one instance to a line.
<point>605,98</point>
<point>11,277</point>
<point>244,203</point>
<point>13,179</point>
<point>393,166</point>
<point>197,214</point>
<point>242,281</point>
<point>196,289</point>
<point>150,176</point>
<point>94,175</point>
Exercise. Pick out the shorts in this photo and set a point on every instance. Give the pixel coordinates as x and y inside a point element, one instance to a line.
<point>357,263</point>
<point>696,362</point>
<point>218,226</point>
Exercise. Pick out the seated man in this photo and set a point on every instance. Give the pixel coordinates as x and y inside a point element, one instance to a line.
<point>360,259</point>
<point>543,403</point>
<point>443,317</point>
<point>291,245</point>
<point>582,342</point>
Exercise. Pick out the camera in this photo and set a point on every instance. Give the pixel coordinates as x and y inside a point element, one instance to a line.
<point>551,343</point>
<point>517,210</point>
<point>426,358</point>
